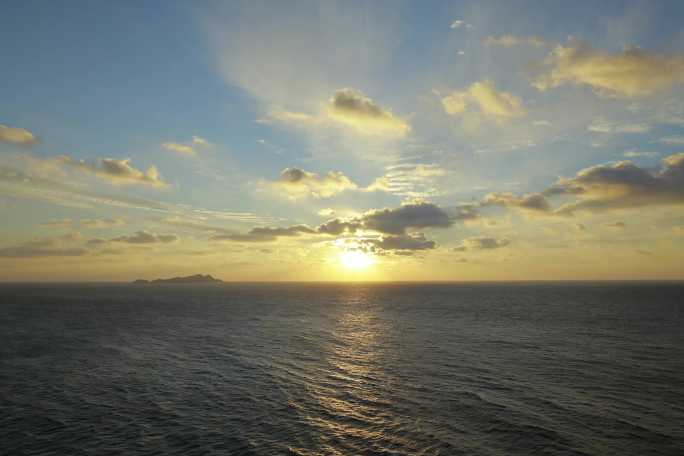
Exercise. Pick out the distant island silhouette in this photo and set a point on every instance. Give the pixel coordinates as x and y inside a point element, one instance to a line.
<point>197,278</point>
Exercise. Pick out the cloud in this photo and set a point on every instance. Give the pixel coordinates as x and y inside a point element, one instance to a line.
<point>145,237</point>
<point>402,243</point>
<point>458,23</point>
<point>178,147</point>
<point>265,234</point>
<point>408,216</point>
<point>393,224</point>
<point>672,140</point>
<point>623,185</point>
<point>298,183</point>
<point>533,202</point>
<point>46,247</point>
<point>326,212</point>
<point>338,226</point>
<point>188,148</point>
<point>392,221</point>
<point>63,223</point>
<point>483,98</point>
<point>352,108</point>
<point>116,171</point>
<point>631,73</point>
<point>199,141</point>
<point>98,224</point>
<point>481,243</point>
<point>415,180</point>
<point>601,126</point>
<point>16,136</point>
<point>638,153</point>
<point>508,41</point>
<point>290,118</point>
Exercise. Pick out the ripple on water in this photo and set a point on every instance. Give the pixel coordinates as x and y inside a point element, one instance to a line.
<point>342,370</point>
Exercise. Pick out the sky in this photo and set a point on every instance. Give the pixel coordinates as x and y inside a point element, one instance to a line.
<point>352,140</point>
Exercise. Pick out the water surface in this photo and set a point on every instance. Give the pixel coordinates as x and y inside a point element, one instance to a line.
<point>330,369</point>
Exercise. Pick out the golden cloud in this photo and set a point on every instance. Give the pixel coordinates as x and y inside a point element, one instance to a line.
<point>299,183</point>
<point>16,136</point>
<point>631,73</point>
<point>484,98</point>
<point>116,171</point>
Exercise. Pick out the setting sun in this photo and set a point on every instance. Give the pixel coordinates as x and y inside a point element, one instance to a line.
<point>356,259</point>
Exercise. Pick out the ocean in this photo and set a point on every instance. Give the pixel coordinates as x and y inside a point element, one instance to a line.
<point>342,369</point>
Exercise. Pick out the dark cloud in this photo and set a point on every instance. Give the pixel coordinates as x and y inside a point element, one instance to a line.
<point>481,243</point>
<point>624,185</point>
<point>46,247</point>
<point>145,237</point>
<point>337,226</point>
<point>394,221</point>
<point>408,216</point>
<point>534,202</point>
<point>353,108</point>
<point>265,234</point>
<point>391,222</point>
<point>63,223</point>
<point>298,182</point>
<point>101,223</point>
<point>401,243</point>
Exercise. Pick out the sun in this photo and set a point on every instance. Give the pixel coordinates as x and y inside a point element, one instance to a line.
<point>356,260</point>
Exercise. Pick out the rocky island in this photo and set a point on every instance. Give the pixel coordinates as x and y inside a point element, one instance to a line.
<point>197,278</point>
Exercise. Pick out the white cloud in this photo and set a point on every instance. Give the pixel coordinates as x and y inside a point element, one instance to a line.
<point>672,140</point>
<point>510,41</point>
<point>602,126</point>
<point>638,153</point>
<point>459,23</point>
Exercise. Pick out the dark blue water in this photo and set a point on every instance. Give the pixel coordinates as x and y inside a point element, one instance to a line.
<point>505,369</point>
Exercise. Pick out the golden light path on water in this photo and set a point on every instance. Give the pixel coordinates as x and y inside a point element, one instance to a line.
<point>349,397</point>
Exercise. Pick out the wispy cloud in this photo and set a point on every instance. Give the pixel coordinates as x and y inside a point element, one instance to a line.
<point>511,41</point>
<point>482,97</point>
<point>631,73</point>
<point>186,148</point>
<point>481,243</point>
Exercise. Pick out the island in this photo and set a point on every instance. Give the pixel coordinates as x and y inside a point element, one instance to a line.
<point>197,278</point>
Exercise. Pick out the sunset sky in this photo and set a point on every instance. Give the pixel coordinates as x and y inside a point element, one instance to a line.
<point>376,140</point>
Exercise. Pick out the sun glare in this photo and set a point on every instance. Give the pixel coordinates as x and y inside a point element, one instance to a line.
<point>356,260</point>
